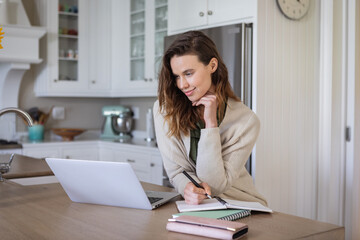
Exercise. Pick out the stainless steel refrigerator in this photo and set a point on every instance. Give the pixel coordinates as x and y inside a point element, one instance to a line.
<point>234,43</point>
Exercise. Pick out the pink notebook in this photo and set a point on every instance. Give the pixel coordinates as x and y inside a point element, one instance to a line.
<point>207,227</point>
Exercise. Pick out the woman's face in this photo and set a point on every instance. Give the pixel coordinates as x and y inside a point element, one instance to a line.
<point>193,78</point>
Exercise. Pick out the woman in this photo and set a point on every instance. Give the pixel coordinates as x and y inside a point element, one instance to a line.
<point>201,126</point>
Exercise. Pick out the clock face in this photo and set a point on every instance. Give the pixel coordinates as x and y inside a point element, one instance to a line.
<point>294,9</point>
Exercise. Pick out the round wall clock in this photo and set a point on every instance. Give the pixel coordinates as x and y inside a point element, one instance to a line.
<point>294,9</point>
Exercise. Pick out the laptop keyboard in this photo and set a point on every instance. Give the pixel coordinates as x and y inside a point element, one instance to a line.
<point>154,199</point>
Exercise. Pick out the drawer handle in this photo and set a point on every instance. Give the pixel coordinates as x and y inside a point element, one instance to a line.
<point>130,160</point>
<point>210,12</point>
<point>201,14</point>
<point>152,164</point>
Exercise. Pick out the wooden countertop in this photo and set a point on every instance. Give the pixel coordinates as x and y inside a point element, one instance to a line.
<point>23,166</point>
<point>45,212</point>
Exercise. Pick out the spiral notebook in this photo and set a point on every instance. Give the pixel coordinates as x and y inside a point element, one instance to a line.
<point>214,204</point>
<point>228,215</point>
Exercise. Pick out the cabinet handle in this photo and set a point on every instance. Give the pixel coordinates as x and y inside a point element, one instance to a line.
<point>145,79</point>
<point>152,164</point>
<point>130,160</point>
<point>201,14</point>
<point>55,80</point>
<point>93,81</point>
<point>210,12</point>
<point>150,79</point>
<point>67,157</point>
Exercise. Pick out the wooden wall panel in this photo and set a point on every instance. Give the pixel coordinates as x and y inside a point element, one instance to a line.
<point>287,105</point>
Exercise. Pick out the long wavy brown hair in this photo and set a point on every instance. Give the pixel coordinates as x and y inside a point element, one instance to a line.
<point>178,111</point>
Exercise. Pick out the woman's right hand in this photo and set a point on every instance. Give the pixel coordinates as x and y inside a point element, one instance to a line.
<point>194,195</point>
<point>210,103</point>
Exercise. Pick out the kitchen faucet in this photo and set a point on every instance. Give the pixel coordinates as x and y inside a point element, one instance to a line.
<point>23,114</point>
<point>5,167</point>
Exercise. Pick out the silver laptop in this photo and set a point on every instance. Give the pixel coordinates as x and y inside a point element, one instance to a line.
<point>105,183</point>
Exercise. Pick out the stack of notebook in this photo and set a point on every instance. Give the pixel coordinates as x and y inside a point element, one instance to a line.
<point>214,204</point>
<point>212,217</point>
<point>207,227</point>
<point>228,214</point>
<point>212,208</point>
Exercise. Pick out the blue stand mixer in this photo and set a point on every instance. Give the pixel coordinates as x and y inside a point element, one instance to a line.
<point>118,123</point>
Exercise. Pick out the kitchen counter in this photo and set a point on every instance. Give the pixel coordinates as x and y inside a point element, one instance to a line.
<point>23,166</point>
<point>133,141</point>
<point>10,146</point>
<point>45,212</point>
<point>92,136</point>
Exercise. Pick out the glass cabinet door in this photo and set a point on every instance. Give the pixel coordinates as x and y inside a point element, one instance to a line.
<point>137,40</point>
<point>68,40</point>
<point>148,27</point>
<point>161,17</point>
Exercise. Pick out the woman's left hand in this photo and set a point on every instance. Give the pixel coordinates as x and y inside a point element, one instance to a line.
<point>210,103</point>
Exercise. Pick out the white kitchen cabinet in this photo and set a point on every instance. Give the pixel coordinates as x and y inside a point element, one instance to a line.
<point>146,161</point>
<point>106,153</point>
<point>83,153</point>
<point>75,65</point>
<point>99,46</point>
<point>187,14</point>
<point>74,150</point>
<point>138,30</point>
<point>39,151</point>
<point>156,169</point>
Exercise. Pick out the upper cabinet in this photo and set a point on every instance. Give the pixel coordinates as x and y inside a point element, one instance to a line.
<point>99,38</point>
<point>138,46</point>
<point>68,46</point>
<point>101,48</point>
<point>187,14</point>
<point>76,50</point>
<point>113,48</point>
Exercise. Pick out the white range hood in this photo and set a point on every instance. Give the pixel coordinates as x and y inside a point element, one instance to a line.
<point>20,49</point>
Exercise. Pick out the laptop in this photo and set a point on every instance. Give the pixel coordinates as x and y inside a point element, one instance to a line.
<point>105,183</point>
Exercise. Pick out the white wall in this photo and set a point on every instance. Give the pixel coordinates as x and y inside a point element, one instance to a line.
<point>297,170</point>
<point>79,112</point>
<point>356,187</point>
<point>288,106</point>
<point>337,151</point>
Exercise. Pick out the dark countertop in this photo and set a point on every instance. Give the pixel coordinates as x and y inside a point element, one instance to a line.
<point>23,166</point>
<point>5,144</point>
<point>10,146</point>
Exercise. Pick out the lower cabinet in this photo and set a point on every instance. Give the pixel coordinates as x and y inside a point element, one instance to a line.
<point>82,153</point>
<point>74,150</point>
<point>146,161</point>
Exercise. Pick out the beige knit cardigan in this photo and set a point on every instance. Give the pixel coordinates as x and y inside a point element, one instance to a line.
<point>222,154</point>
